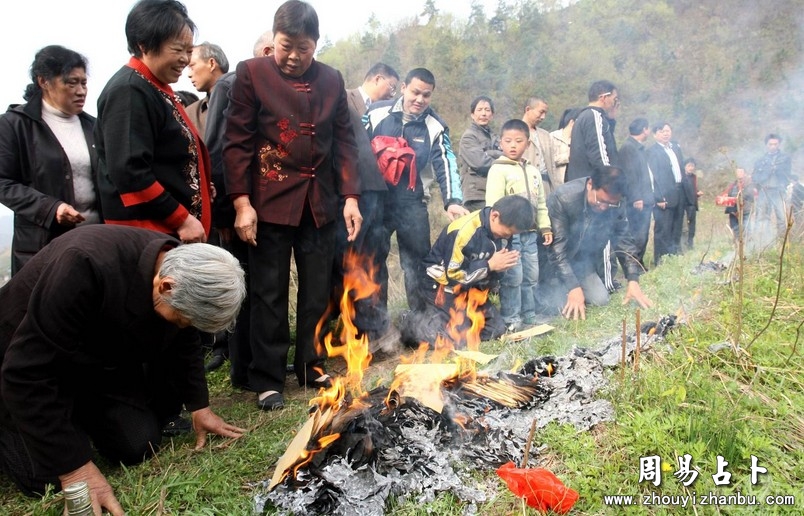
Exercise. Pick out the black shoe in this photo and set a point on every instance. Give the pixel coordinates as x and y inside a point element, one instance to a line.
<point>215,362</point>
<point>176,426</point>
<point>274,401</point>
<point>290,369</point>
<point>322,382</point>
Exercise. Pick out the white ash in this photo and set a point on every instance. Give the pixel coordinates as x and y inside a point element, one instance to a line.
<point>426,458</point>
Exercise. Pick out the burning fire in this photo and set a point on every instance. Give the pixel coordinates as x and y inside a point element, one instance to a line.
<point>420,375</point>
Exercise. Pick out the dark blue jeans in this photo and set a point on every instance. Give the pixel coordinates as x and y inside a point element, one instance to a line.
<point>406,215</point>
<point>518,284</point>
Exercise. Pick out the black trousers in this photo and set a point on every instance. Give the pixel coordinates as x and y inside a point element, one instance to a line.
<point>121,410</point>
<point>238,342</point>
<point>313,250</point>
<point>667,231</point>
<point>639,222</point>
<point>691,213</point>
<point>370,315</point>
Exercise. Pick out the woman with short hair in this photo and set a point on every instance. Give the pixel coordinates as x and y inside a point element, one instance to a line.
<point>47,157</point>
<point>477,150</point>
<point>154,168</point>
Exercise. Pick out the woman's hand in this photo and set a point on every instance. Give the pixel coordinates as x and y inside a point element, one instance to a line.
<point>246,220</point>
<point>191,231</point>
<point>66,215</point>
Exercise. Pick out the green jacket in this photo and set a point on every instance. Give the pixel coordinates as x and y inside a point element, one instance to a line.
<point>509,177</point>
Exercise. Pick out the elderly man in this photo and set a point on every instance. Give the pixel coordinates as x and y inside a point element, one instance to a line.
<point>98,344</point>
<point>540,146</point>
<point>587,214</point>
<point>207,65</point>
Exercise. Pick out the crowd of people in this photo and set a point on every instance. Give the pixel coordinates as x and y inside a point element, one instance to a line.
<point>158,224</point>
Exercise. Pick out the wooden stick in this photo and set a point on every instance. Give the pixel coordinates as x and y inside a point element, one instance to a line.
<point>638,340</point>
<point>527,444</point>
<point>622,370</point>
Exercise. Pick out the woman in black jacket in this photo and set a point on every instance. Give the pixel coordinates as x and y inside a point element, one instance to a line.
<point>47,155</point>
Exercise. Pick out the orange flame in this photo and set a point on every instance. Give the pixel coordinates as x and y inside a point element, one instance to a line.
<point>334,405</point>
<point>463,330</point>
<point>358,283</point>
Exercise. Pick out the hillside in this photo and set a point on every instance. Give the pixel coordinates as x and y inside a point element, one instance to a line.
<point>723,74</point>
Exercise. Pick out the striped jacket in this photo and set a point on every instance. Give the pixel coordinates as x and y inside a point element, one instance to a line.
<point>428,135</point>
<point>593,146</point>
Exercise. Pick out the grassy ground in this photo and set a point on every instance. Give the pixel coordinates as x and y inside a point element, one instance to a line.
<point>684,399</point>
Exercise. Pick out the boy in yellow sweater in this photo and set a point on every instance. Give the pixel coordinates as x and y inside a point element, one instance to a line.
<point>511,174</point>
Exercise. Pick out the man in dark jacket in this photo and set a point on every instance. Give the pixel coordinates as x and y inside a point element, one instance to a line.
<point>639,193</point>
<point>666,162</point>
<point>586,214</point>
<point>236,344</point>
<point>593,146</point>
<point>96,341</point>
<point>771,177</point>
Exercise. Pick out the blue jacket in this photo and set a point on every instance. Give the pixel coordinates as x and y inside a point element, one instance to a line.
<point>428,135</point>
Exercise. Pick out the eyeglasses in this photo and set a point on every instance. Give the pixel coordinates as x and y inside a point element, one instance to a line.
<point>604,205</point>
<point>391,85</point>
<point>616,99</point>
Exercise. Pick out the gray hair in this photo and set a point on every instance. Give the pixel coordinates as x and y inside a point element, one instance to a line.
<point>266,39</point>
<point>209,50</point>
<point>209,285</point>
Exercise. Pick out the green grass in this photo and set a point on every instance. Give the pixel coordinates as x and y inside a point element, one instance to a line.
<point>683,400</point>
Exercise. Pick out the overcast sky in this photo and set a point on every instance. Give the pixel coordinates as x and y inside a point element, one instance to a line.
<point>96,29</point>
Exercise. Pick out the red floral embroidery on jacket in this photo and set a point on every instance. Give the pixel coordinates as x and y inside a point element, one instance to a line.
<point>271,156</point>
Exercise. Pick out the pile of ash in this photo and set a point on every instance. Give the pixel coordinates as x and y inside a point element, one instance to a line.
<point>408,451</point>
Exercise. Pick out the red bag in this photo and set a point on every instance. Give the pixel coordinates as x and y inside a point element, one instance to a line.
<point>540,488</point>
<point>724,200</point>
<point>393,155</point>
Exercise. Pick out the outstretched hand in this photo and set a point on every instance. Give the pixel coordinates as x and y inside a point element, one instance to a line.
<point>207,422</point>
<point>634,293</point>
<point>576,305</point>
